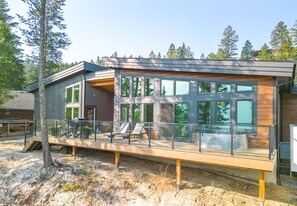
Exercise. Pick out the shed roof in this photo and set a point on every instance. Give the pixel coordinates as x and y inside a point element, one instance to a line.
<point>81,66</point>
<point>262,68</point>
<point>21,100</point>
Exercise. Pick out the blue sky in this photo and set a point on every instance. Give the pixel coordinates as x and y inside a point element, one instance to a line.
<point>99,28</point>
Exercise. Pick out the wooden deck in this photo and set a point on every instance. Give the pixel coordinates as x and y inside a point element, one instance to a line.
<point>253,159</point>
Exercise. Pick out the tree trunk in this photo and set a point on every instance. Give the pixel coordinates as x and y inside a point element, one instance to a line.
<point>47,159</point>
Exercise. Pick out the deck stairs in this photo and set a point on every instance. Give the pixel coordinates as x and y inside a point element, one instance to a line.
<point>32,144</point>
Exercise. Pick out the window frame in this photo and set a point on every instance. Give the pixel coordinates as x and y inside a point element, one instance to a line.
<point>73,104</point>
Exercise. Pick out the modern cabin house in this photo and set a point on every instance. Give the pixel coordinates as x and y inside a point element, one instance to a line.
<point>242,107</point>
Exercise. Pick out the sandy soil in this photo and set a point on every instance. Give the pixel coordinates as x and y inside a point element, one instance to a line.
<point>92,179</point>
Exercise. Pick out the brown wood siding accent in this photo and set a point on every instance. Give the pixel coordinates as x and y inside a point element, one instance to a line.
<point>289,114</point>
<point>16,114</point>
<point>264,101</point>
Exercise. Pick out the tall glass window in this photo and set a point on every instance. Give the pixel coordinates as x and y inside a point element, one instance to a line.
<point>148,112</point>
<point>167,87</point>
<point>181,113</point>
<point>221,88</point>
<point>69,95</point>
<point>182,88</point>
<point>244,110</point>
<point>223,112</point>
<point>72,102</point>
<point>125,112</point>
<point>136,112</point>
<point>244,88</point>
<point>149,87</point>
<point>204,88</point>
<point>72,112</point>
<point>125,86</point>
<point>136,87</point>
<point>204,112</point>
<point>76,93</point>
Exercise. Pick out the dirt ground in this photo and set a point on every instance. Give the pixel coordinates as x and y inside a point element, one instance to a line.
<point>92,179</point>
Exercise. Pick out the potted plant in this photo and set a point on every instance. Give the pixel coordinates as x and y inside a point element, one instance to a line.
<point>86,131</point>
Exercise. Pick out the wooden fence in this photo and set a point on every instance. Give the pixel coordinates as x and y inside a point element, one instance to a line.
<point>15,127</point>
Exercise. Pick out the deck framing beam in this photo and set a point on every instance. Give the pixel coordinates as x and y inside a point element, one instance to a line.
<point>178,173</point>
<point>262,186</point>
<point>117,157</point>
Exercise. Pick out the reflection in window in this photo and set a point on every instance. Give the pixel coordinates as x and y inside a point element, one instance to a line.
<point>76,93</point>
<point>69,113</point>
<point>204,87</point>
<point>149,87</point>
<point>223,112</point>
<point>136,87</point>
<point>244,110</point>
<point>69,95</point>
<point>136,113</point>
<point>125,86</point>
<point>181,113</point>
<point>72,113</point>
<point>148,112</point>
<point>244,88</point>
<point>204,112</point>
<point>223,88</point>
<point>125,112</point>
<point>182,88</point>
<point>167,87</point>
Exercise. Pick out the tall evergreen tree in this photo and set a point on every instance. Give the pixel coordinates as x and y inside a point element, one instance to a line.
<point>265,53</point>
<point>115,54</point>
<point>159,55</point>
<point>294,40</point>
<point>211,55</point>
<point>45,34</point>
<point>247,51</point>
<point>152,55</point>
<point>281,42</point>
<point>98,61</point>
<point>171,54</point>
<point>228,44</point>
<point>11,66</point>
<point>189,53</point>
<point>181,52</point>
<point>202,56</point>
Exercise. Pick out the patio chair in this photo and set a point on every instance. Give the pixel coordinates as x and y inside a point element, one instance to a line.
<point>137,131</point>
<point>122,130</point>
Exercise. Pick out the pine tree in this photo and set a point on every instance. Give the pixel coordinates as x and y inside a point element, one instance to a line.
<point>202,56</point>
<point>228,44</point>
<point>171,54</point>
<point>211,55</point>
<point>281,42</point>
<point>159,56</point>
<point>181,52</point>
<point>152,55</point>
<point>294,39</point>
<point>189,53</point>
<point>98,61</point>
<point>45,34</point>
<point>265,53</point>
<point>247,51</point>
<point>11,66</point>
<point>92,61</point>
<point>115,54</point>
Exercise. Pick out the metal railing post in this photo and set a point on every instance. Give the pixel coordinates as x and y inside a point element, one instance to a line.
<point>129,130</point>
<point>149,135</point>
<point>232,136</point>
<point>35,126</point>
<point>111,132</point>
<point>67,128</point>
<point>95,131</point>
<point>25,139</point>
<point>172,129</point>
<point>80,135</point>
<point>56,128</point>
<point>200,134</point>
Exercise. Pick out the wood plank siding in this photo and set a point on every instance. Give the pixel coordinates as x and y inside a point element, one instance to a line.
<point>289,114</point>
<point>264,96</point>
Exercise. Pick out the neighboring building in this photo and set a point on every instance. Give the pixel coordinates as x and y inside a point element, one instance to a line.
<point>21,106</point>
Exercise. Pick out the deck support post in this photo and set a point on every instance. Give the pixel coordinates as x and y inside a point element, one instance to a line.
<point>178,173</point>
<point>261,187</point>
<point>74,149</point>
<point>117,159</point>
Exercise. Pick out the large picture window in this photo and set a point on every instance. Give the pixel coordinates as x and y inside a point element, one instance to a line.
<point>244,110</point>
<point>125,112</point>
<point>223,112</point>
<point>125,86</point>
<point>72,102</point>
<point>182,88</point>
<point>148,112</point>
<point>181,113</point>
<point>204,112</point>
<point>149,87</point>
<point>136,113</point>
<point>167,87</point>
<point>136,87</point>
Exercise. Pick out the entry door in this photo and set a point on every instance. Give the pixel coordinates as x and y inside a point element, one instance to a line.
<point>91,115</point>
